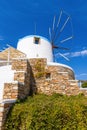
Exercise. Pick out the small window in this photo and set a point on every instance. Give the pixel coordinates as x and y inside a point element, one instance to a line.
<point>36,40</point>
<point>48,76</point>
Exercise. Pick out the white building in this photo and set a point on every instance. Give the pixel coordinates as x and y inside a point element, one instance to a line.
<point>36,47</point>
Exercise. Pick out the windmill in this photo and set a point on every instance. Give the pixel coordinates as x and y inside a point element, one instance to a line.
<point>56,32</point>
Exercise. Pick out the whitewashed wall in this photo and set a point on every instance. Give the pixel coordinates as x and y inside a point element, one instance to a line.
<point>6,75</point>
<point>32,50</point>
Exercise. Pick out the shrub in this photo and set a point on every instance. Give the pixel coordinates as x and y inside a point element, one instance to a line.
<point>56,112</point>
<point>84,85</point>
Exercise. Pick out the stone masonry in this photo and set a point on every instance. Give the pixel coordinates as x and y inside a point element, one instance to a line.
<point>60,80</point>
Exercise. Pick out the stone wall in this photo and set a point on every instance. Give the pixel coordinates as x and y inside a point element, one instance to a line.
<point>15,90</point>
<point>19,64</point>
<point>84,91</point>
<point>22,74</point>
<point>50,79</point>
<point>59,68</point>
<point>72,88</point>
<point>4,109</point>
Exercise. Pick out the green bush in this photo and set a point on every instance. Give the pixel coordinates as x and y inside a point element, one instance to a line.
<point>56,112</point>
<point>84,85</point>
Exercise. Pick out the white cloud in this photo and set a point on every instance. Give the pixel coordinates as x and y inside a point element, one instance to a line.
<point>83,74</point>
<point>84,52</point>
<point>76,54</point>
<point>66,54</point>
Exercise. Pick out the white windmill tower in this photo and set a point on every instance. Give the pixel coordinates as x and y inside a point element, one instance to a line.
<point>35,46</point>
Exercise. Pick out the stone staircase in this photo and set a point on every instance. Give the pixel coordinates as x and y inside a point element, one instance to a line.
<point>15,86</point>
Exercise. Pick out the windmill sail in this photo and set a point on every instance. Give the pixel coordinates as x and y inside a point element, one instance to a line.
<point>64,57</point>
<point>57,28</point>
<point>69,38</point>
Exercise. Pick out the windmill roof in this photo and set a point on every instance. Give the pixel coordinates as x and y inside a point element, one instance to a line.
<point>34,36</point>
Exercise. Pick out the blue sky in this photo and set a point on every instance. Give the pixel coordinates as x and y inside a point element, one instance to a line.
<point>19,17</point>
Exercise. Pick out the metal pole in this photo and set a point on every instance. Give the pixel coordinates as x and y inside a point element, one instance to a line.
<point>8,56</point>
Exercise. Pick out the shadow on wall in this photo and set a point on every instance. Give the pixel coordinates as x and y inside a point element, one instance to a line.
<point>33,86</point>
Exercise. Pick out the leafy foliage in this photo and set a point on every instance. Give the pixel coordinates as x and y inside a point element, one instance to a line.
<point>42,112</point>
<point>84,85</point>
